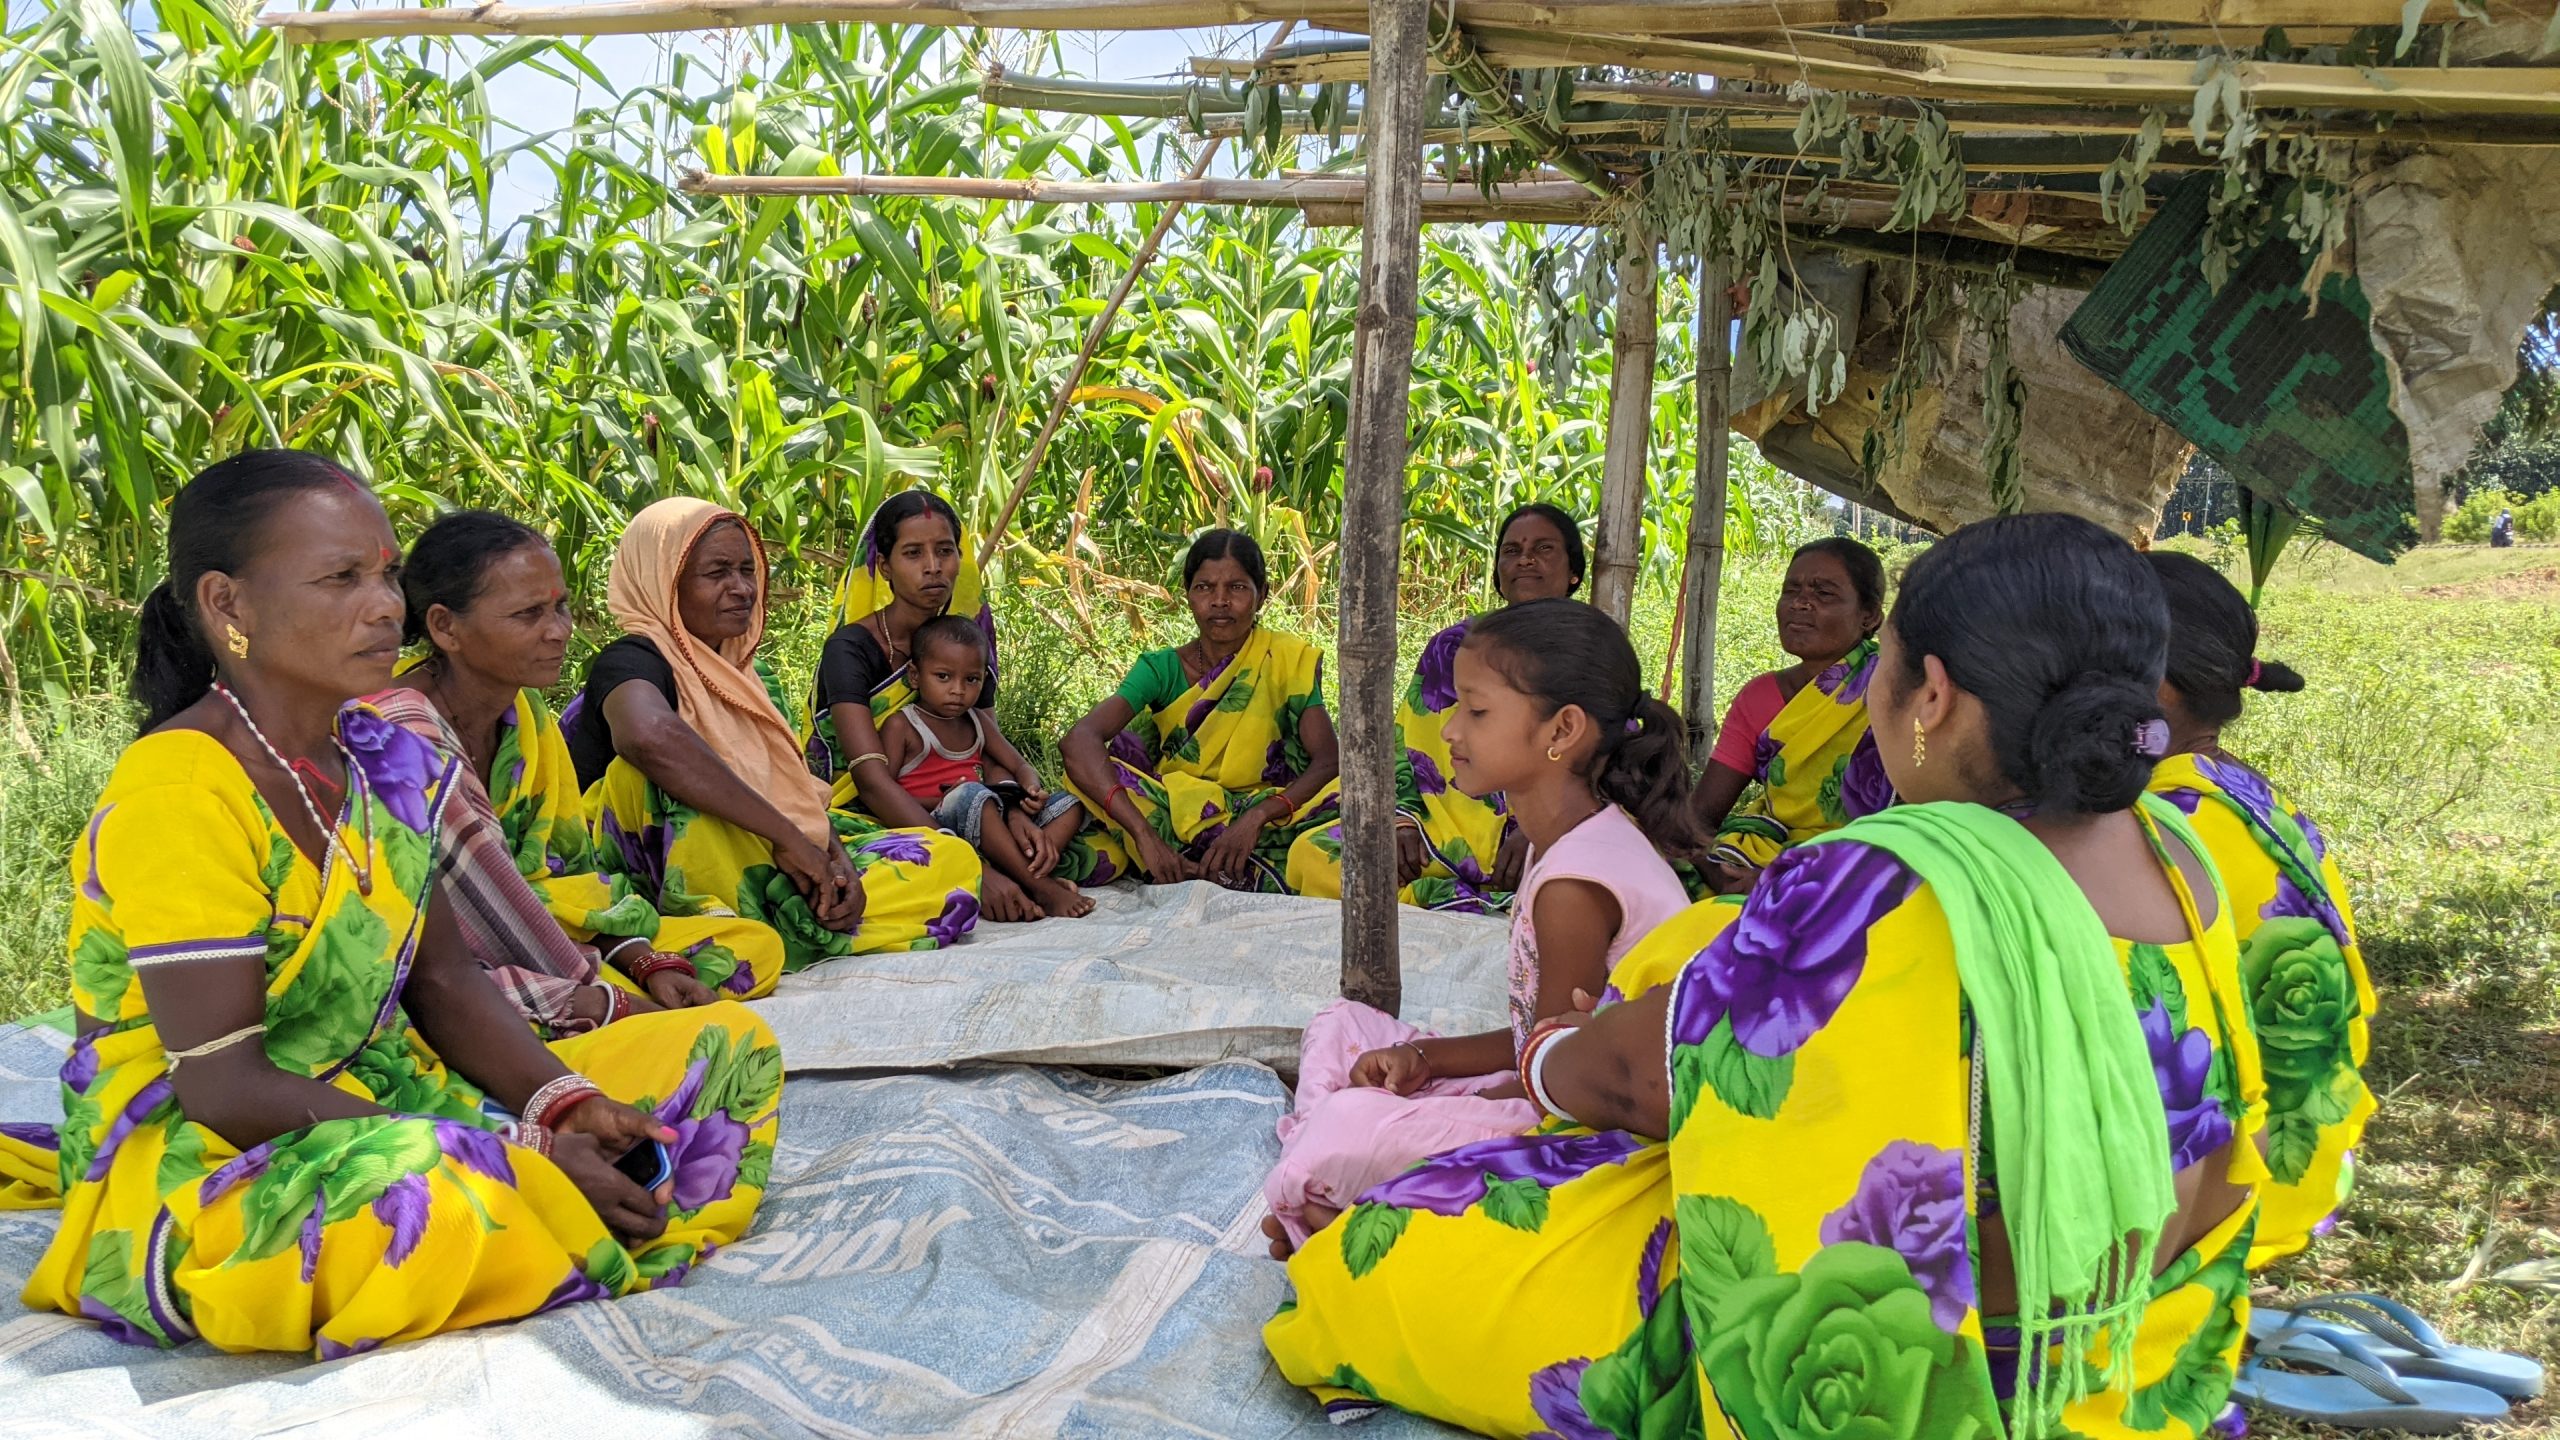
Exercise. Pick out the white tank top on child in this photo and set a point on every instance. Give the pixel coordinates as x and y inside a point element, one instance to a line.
<point>1606,850</point>
<point>933,746</point>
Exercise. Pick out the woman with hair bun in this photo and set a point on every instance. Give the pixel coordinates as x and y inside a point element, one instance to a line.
<point>1950,1093</point>
<point>2308,994</point>
<point>297,1115</point>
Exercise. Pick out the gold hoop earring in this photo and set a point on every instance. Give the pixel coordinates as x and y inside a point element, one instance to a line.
<point>235,642</point>
<point>1919,744</point>
<point>1552,755</point>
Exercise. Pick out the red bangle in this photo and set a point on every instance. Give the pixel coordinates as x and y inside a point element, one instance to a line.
<point>1537,1043</point>
<point>536,1138</point>
<point>569,1100</point>
<point>662,961</point>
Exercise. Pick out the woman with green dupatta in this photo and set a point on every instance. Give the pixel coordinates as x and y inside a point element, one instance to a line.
<point>1215,756</point>
<point>1800,734</point>
<point>911,565</point>
<point>1948,1130</point>
<point>1454,851</point>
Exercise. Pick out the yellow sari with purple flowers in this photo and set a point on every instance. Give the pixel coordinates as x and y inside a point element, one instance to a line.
<point>1226,743</point>
<point>533,786</point>
<point>1798,1261</point>
<point>920,887</point>
<point>1816,766</point>
<point>348,1234</point>
<point>2303,973</point>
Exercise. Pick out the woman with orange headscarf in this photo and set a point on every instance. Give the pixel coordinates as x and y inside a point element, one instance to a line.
<point>695,779</point>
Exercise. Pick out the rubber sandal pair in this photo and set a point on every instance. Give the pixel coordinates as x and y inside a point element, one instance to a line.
<point>2385,1368</point>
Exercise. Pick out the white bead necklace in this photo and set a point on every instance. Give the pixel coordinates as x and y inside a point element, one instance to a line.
<point>361,867</point>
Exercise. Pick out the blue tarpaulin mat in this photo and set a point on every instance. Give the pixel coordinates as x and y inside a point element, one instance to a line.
<point>995,1249</point>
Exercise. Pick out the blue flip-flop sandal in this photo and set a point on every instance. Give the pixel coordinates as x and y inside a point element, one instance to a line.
<point>2402,1339</point>
<point>2358,1392</point>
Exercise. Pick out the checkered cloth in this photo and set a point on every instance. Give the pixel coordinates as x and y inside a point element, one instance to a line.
<point>534,962</point>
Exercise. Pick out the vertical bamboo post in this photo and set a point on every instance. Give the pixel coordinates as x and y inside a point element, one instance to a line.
<point>1622,468</point>
<point>1704,573</point>
<point>1373,495</point>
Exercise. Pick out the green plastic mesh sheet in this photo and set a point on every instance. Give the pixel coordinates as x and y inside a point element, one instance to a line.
<point>2292,400</point>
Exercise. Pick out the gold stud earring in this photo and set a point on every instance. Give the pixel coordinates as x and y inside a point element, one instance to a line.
<point>236,642</point>
<point>1553,754</point>
<point>1919,744</point>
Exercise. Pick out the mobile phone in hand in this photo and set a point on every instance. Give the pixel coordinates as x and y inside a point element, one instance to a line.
<point>647,1164</point>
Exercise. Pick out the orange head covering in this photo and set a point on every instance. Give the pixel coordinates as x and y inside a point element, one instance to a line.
<point>718,691</point>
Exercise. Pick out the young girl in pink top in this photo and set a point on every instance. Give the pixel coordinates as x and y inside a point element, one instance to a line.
<point>1552,713</point>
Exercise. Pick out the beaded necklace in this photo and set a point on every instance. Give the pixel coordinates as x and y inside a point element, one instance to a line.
<point>361,868</point>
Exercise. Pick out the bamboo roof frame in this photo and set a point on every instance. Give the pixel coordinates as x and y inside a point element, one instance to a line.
<point>1601,106</point>
<point>2243,19</point>
<point>1882,67</point>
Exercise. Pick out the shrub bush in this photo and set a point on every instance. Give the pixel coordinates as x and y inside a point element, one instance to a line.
<point>2540,520</point>
<point>2470,524</point>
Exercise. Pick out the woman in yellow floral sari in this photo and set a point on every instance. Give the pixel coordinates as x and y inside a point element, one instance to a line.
<point>2309,997</point>
<point>1961,1107</point>
<point>913,564</point>
<point>1454,851</point>
<point>1800,734</point>
<point>297,1115</point>
<point>698,786</point>
<point>487,600</point>
<point>1214,757</point>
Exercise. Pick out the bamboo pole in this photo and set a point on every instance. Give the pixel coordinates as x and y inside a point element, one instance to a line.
<point>1093,335</point>
<point>1637,112</point>
<point>2239,18</point>
<point>1373,499</point>
<point>1339,200</point>
<point>1704,574</point>
<point>1952,72</point>
<point>1620,542</point>
<point>1289,192</point>
<point>1454,52</point>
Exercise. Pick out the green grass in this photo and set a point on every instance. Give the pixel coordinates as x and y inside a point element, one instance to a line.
<point>2428,745</point>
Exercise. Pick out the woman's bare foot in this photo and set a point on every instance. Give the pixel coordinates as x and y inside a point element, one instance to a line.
<point>1061,898</point>
<point>1278,1235</point>
<point>1003,901</point>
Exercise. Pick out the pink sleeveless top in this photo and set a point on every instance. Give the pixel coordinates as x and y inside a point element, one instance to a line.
<point>1608,851</point>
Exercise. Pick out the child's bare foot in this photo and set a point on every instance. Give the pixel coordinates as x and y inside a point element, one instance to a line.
<point>1003,901</point>
<point>1278,1235</point>
<point>1061,898</point>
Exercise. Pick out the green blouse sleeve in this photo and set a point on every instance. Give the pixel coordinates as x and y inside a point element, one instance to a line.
<point>1154,681</point>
